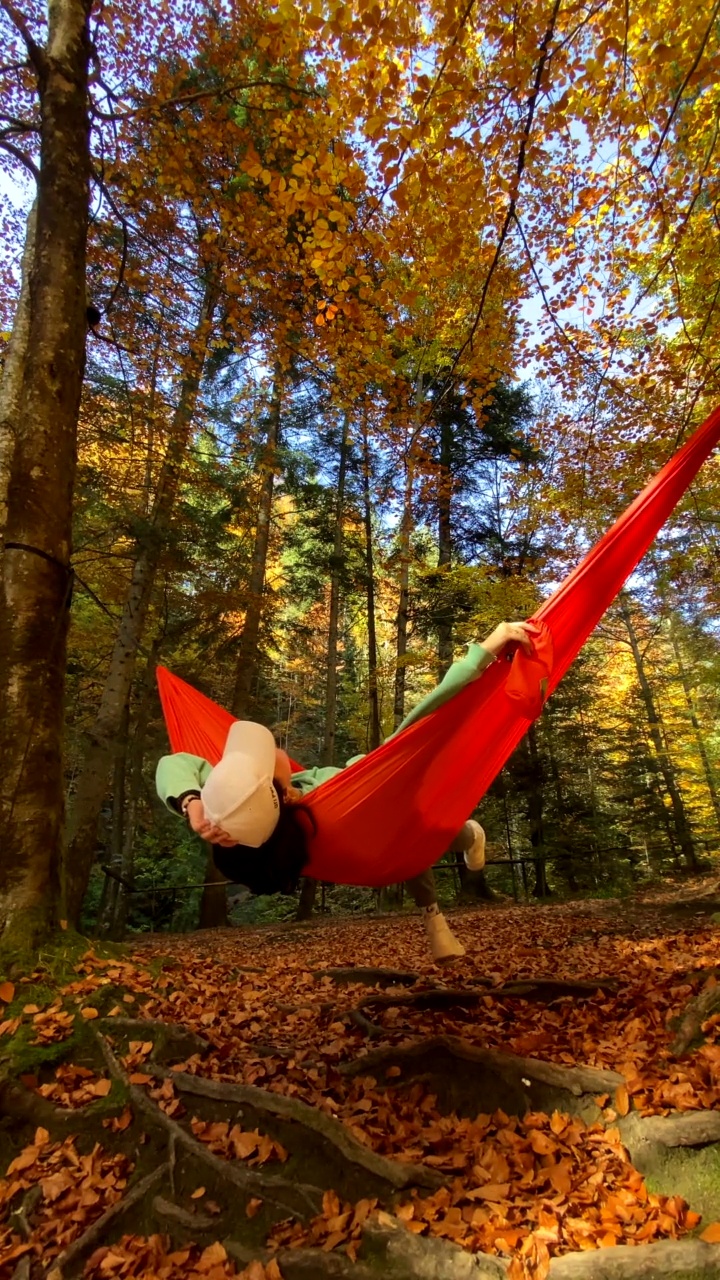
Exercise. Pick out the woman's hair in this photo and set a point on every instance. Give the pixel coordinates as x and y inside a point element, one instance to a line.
<point>277,865</point>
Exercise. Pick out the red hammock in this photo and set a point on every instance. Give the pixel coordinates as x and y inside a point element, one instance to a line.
<point>390,816</point>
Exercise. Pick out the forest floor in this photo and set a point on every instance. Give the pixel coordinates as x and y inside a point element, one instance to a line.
<point>320,1100</point>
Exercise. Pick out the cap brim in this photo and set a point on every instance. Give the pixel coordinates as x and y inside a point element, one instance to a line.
<point>254,740</point>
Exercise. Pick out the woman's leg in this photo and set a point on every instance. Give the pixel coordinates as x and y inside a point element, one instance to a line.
<point>443,943</point>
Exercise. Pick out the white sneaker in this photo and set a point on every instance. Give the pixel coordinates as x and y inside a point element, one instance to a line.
<point>475,855</point>
<point>443,943</point>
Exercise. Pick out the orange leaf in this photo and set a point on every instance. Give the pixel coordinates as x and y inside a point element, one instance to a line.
<point>622,1100</point>
<point>492,1191</point>
<point>139,1077</point>
<point>101,1088</point>
<point>211,1257</point>
<point>89,1012</point>
<point>7,991</point>
<point>711,1234</point>
<point>197,1193</point>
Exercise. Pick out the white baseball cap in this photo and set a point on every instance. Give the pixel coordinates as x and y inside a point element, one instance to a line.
<point>239,795</point>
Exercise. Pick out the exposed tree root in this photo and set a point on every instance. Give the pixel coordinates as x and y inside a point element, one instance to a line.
<point>697,1011</point>
<point>68,1261</point>
<point>380,977</point>
<point>170,1040</point>
<point>272,1106</point>
<point>468,1079</point>
<point>679,1259</point>
<point>286,1197</point>
<point>446,997</point>
<point>687,1129</point>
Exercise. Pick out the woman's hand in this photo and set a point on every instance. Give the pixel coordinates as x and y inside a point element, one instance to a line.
<point>508,633</point>
<point>202,825</point>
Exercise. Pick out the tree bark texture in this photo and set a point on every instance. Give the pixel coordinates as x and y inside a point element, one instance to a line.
<point>661,760</point>
<point>247,660</point>
<point>44,399</point>
<point>328,749</point>
<point>103,737</point>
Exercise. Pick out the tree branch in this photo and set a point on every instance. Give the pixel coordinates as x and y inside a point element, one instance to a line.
<point>686,81</point>
<point>519,170</point>
<point>20,155</point>
<point>35,52</point>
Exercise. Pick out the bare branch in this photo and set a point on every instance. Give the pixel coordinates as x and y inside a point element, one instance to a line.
<point>20,155</point>
<point>35,52</point>
<point>19,126</point>
<point>519,170</point>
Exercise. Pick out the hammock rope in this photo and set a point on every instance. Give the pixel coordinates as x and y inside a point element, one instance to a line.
<point>391,815</point>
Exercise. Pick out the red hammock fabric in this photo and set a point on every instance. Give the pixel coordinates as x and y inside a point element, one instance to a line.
<point>390,816</point>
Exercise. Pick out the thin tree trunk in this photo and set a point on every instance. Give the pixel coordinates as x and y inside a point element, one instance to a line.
<point>661,760</point>
<point>444,618</point>
<point>687,690</point>
<point>35,575</point>
<point>247,659</point>
<point>541,888</point>
<point>133,791</point>
<point>103,736</point>
<point>213,904</point>
<point>328,748</point>
<point>108,898</point>
<point>403,599</point>
<point>373,695</point>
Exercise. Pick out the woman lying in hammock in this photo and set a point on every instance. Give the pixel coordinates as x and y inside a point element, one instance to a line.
<point>249,807</point>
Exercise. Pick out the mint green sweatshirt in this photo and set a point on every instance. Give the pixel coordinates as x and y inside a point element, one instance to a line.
<point>181,772</point>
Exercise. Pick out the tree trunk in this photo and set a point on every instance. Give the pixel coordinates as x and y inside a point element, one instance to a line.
<point>119,899</point>
<point>328,748</point>
<point>444,616</point>
<point>306,901</point>
<point>247,659</point>
<point>707,767</point>
<point>35,576</point>
<point>661,760</point>
<point>12,375</point>
<point>103,736</point>
<point>541,888</point>
<point>106,909</point>
<point>373,697</point>
<point>403,599</point>
<point>213,904</point>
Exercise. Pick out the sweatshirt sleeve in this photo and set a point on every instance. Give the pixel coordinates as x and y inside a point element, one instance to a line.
<point>460,674</point>
<point>179,773</point>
